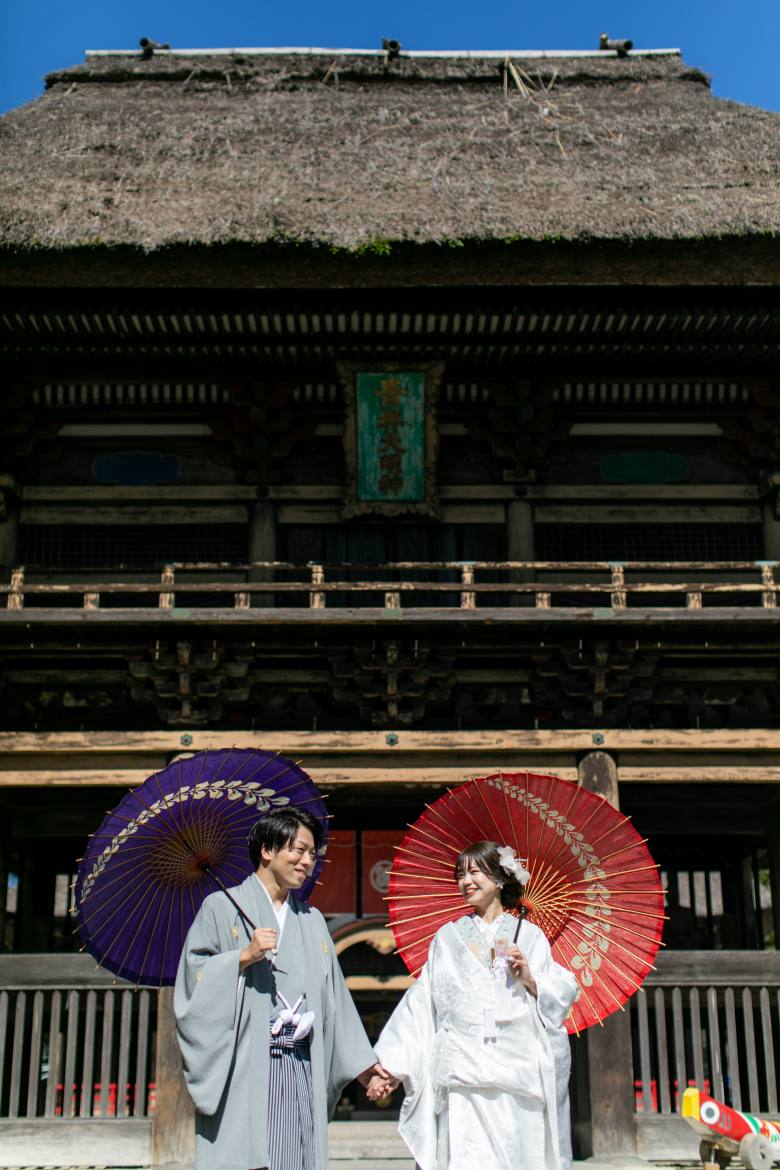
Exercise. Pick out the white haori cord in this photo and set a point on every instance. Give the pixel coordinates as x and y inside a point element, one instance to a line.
<point>303,1022</point>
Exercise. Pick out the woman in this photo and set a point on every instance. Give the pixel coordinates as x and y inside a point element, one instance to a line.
<point>471,1040</point>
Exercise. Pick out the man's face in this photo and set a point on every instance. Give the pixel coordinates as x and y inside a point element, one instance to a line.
<point>292,864</point>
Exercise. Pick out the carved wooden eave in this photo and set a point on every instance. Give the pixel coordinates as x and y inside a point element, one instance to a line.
<point>216,335</point>
<point>523,430</point>
<point>752,439</point>
<point>393,683</point>
<point>259,430</point>
<point>28,434</point>
<point>190,685</point>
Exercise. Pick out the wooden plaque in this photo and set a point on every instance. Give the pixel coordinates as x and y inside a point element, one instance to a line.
<point>390,438</point>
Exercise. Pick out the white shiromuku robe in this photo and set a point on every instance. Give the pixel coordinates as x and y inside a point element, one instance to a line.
<point>478,1066</point>
<point>223,1019</point>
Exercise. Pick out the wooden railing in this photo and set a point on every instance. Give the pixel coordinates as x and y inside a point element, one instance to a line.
<point>77,1053</point>
<point>711,1019</point>
<point>451,585</point>
<point>74,1043</point>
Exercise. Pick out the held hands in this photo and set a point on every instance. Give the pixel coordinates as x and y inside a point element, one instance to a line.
<point>518,964</point>
<point>378,1082</point>
<point>263,939</point>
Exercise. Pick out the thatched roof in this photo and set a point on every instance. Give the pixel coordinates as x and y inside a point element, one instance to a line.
<point>357,152</point>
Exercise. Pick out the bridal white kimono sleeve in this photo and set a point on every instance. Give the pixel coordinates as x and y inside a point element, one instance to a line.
<point>478,1089</point>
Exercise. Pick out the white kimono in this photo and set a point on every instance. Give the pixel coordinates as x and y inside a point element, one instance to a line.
<point>475,1056</point>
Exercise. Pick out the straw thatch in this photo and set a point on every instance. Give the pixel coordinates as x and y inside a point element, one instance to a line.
<point>356,153</point>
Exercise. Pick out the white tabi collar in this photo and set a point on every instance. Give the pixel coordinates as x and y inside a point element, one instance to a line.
<point>281,914</point>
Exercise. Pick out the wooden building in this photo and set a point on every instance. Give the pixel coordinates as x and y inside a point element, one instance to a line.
<point>572,259</point>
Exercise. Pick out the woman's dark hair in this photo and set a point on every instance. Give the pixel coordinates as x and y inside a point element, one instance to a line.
<point>279,828</point>
<point>484,854</point>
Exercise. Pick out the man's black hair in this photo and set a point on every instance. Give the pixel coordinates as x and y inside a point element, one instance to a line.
<point>279,829</point>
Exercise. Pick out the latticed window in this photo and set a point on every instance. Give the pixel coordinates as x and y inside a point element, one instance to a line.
<point>648,542</point>
<point>74,546</point>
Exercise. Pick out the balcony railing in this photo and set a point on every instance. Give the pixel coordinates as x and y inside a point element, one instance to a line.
<point>74,1043</point>
<point>419,585</point>
<point>710,1019</point>
<point>77,1049</point>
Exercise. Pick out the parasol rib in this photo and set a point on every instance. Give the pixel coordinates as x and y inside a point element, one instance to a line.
<point>438,844</point>
<point>489,811</point>
<point>137,933</point>
<point>613,942</point>
<point>467,812</point>
<point>515,840</point>
<point>448,827</point>
<point>591,943</point>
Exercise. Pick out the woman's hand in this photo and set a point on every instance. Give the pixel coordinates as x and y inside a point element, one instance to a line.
<point>518,964</point>
<point>379,1086</point>
<point>263,939</point>
<point>377,1082</point>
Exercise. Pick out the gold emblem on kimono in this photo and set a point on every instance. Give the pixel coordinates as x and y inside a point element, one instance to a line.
<point>234,931</point>
<point>325,949</point>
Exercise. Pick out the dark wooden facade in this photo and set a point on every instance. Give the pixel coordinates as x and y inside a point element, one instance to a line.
<point>596,597</point>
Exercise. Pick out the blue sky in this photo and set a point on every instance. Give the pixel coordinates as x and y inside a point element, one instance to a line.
<point>736,43</point>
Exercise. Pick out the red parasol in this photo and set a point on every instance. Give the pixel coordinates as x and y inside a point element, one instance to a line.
<point>594,888</point>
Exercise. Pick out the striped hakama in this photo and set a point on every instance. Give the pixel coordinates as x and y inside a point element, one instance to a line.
<point>290,1104</point>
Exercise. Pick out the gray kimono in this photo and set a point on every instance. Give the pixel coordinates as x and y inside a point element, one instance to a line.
<point>223,1018</point>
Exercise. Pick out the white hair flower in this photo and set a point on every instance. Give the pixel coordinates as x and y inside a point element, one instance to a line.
<point>509,861</point>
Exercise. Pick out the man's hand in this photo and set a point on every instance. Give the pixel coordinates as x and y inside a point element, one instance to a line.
<point>380,1086</point>
<point>263,939</point>
<point>377,1081</point>
<point>520,969</point>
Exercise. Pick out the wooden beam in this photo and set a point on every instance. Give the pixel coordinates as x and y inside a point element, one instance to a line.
<point>162,493</point>
<point>406,773</point>
<point>327,777</point>
<point>485,512</point>
<point>367,616</point>
<point>629,493</point>
<point>610,513</point>
<point>704,774</point>
<point>99,513</point>
<point>555,493</point>
<point>395,743</point>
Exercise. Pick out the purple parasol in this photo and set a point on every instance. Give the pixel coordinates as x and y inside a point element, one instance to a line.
<point>169,843</point>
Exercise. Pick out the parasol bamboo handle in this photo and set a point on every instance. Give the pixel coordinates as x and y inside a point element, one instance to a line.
<point>206,868</point>
<point>521,916</point>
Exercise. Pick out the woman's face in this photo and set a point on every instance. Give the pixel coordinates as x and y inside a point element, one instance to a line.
<point>477,889</point>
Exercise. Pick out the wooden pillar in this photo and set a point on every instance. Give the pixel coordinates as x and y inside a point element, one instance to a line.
<point>262,547</point>
<point>610,1058</point>
<point>173,1128</point>
<point>519,530</point>
<point>773,843</point>
<point>4,868</point>
<point>9,525</point>
<point>771,531</point>
<point>520,543</point>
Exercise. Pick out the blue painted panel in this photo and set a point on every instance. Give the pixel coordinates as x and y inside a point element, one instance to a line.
<point>136,469</point>
<point>644,467</point>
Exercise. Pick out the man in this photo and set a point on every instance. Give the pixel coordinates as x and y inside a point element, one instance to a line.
<point>268,1032</point>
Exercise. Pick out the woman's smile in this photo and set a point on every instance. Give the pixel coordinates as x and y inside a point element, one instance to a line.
<point>477,889</point>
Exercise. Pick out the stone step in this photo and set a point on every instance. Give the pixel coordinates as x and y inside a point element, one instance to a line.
<point>367,1145</point>
<point>372,1164</point>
